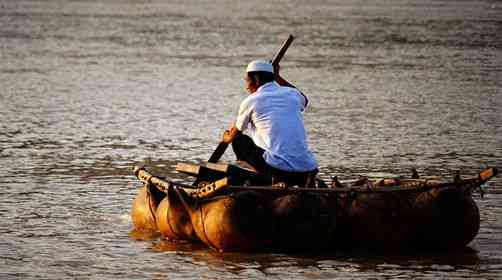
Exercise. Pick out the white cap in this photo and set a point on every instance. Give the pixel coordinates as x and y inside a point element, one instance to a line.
<point>260,65</point>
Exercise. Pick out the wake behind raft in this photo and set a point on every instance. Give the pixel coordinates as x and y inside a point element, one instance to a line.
<point>234,209</point>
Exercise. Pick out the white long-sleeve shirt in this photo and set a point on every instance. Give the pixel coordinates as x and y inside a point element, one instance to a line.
<point>273,117</point>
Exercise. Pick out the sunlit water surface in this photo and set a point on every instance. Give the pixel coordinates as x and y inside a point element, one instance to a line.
<point>91,88</point>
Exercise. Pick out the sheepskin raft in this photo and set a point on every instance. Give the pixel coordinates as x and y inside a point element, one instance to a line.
<point>227,211</point>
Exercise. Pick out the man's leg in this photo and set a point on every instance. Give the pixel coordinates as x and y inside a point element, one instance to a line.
<point>246,150</point>
<point>300,179</point>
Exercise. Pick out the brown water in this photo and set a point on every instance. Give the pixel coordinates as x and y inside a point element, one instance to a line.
<point>91,88</point>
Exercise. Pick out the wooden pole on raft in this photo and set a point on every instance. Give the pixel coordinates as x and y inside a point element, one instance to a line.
<point>222,146</point>
<point>417,185</point>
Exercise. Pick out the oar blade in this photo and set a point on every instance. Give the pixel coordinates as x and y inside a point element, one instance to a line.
<point>220,150</point>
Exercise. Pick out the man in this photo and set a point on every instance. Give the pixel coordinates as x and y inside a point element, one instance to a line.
<point>272,116</point>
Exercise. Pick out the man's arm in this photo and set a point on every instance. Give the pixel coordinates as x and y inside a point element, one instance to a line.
<point>281,81</point>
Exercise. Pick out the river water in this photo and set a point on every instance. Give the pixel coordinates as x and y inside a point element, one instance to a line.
<point>88,89</point>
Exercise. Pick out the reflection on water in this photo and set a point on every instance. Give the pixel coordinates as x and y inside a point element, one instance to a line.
<point>326,266</point>
<point>91,88</point>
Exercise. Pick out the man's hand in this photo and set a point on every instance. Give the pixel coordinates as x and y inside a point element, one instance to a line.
<point>230,134</point>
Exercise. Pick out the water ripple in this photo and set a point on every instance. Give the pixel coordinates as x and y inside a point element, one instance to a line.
<point>92,88</point>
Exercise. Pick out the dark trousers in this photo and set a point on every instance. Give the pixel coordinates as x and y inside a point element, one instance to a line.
<point>246,150</point>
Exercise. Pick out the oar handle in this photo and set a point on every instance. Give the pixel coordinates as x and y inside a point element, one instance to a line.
<point>278,56</point>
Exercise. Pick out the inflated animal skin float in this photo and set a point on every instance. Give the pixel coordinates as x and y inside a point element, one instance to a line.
<point>229,208</point>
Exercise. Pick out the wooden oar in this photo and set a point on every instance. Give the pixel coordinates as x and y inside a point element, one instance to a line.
<point>222,146</point>
<point>218,152</point>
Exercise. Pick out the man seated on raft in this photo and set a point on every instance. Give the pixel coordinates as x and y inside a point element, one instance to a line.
<point>272,114</point>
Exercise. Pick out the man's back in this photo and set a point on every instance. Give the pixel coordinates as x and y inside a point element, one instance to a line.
<point>273,117</point>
